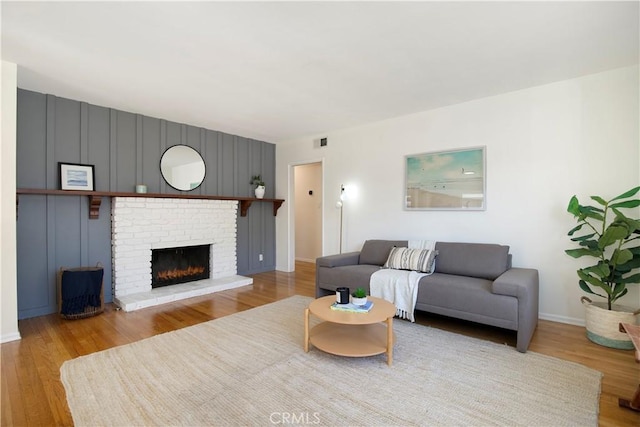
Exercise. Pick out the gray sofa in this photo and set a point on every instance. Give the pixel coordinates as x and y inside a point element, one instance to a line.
<point>471,281</point>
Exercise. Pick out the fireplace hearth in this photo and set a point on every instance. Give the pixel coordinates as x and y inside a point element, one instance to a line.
<point>170,266</point>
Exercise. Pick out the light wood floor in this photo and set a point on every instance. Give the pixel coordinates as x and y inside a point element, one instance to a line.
<point>32,394</point>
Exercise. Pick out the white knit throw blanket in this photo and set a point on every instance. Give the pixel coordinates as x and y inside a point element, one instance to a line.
<point>400,287</point>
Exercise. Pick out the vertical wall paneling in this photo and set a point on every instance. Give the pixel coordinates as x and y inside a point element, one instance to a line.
<point>256,224</point>
<point>125,149</point>
<point>139,142</point>
<point>175,136</point>
<point>84,207</point>
<point>163,147</point>
<point>52,174</point>
<point>150,155</point>
<point>227,165</point>
<point>99,146</point>
<point>34,154</point>
<point>31,228</point>
<point>69,224</point>
<point>99,230</point>
<point>192,138</point>
<point>241,155</point>
<point>268,159</point>
<point>203,153</point>
<point>113,149</point>
<point>50,144</point>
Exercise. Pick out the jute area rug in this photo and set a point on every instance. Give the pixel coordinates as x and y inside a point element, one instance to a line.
<point>250,368</point>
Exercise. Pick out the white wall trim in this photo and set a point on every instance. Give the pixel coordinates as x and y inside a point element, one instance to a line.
<point>10,337</point>
<point>561,319</point>
<point>291,236</point>
<point>8,228</point>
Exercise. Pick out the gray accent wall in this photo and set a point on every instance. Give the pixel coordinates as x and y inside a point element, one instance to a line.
<point>125,148</point>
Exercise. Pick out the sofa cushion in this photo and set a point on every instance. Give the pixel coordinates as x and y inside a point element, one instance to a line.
<point>486,261</point>
<point>349,276</point>
<point>376,252</point>
<point>468,295</point>
<point>411,259</point>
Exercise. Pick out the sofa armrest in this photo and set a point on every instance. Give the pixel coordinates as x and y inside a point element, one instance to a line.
<point>338,260</point>
<point>516,282</point>
<point>523,284</point>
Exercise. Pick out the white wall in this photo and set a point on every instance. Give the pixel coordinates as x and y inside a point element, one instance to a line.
<point>308,211</point>
<point>544,144</point>
<point>8,270</point>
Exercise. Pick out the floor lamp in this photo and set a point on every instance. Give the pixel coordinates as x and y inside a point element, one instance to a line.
<point>340,205</point>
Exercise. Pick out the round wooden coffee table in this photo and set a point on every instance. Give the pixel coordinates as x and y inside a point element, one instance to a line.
<point>351,334</point>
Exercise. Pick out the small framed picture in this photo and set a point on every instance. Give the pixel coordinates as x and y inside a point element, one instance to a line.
<point>75,176</point>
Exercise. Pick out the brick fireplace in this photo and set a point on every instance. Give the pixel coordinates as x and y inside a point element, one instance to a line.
<point>140,225</point>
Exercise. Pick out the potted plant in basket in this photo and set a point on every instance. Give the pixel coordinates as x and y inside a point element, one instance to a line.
<point>359,297</point>
<point>259,183</point>
<point>610,242</point>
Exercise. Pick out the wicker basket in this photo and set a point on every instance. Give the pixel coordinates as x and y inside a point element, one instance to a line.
<point>89,310</point>
<point>603,325</point>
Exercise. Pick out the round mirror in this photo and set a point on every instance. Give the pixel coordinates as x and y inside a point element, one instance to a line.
<point>182,167</point>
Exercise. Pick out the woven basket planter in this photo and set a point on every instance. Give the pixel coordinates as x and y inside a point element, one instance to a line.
<point>603,325</point>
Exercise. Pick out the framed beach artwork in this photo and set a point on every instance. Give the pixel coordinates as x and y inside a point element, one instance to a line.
<point>74,176</point>
<point>446,180</point>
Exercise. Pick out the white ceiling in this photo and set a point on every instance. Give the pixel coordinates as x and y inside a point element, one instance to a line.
<point>280,70</point>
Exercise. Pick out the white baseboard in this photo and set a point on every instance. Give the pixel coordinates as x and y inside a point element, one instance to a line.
<point>561,319</point>
<point>14,336</point>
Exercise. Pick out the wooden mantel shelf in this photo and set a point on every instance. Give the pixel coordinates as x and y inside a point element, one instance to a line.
<point>95,198</point>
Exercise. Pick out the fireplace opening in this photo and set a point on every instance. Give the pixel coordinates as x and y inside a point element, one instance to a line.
<point>171,266</point>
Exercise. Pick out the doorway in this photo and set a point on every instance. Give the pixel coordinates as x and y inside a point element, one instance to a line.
<point>308,197</point>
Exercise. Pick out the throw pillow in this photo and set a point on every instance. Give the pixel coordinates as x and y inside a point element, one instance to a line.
<point>411,259</point>
<point>376,252</point>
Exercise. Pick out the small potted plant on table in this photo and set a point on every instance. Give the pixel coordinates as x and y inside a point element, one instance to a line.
<point>359,297</point>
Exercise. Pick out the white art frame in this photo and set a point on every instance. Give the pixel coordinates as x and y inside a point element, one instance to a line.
<point>446,180</point>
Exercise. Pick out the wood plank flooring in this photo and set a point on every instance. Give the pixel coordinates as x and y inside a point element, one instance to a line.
<point>32,394</point>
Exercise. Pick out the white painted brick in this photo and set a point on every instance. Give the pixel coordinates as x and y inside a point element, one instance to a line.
<point>140,224</point>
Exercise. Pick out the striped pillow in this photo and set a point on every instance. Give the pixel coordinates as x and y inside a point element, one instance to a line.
<point>411,259</point>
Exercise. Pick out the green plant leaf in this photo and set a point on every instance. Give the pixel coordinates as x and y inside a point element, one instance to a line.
<point>599,200</point>
<point>574,206</point>
<point>633,224</point>
<point>587,289</point>
<point>634,278</point>
<point>574,229</point>
<point>600,270</point>
<point>629,265</point>
<point>612,234</point>
<point>623,293</point>
<point>627,194</point>
<point>577,253</point>
<point>621,256</point>
<point>628,204</point>
<point>581,238</point>
<point>619,289</point>
<point>591,244</point>
<point>591,212</point>
<point>594,281</point>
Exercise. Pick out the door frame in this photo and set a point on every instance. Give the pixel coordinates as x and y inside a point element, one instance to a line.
<point>291,226</point>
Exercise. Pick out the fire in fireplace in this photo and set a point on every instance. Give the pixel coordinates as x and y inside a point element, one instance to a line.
<point>171,266</point>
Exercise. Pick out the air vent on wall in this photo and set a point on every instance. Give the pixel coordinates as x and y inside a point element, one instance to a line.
<point>320,142</point>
